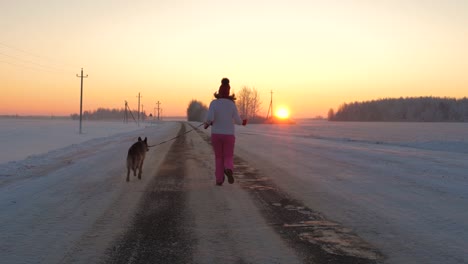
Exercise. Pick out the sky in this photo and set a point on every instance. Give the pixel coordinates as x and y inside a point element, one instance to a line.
<point>313,55</point>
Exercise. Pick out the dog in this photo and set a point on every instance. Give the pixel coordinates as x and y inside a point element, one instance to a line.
<point>136,156</point>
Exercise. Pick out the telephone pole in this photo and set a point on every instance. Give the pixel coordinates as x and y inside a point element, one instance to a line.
<point>81,95</point>
<point>158,103</point>
<point>125,113</point>
<point>138,118</point>
<point>270,108</point>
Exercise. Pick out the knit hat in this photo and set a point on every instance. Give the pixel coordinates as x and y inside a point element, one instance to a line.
<point>225,88</point>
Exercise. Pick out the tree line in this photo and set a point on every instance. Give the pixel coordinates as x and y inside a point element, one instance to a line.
<point>109,114</point>
<point>410,109</point>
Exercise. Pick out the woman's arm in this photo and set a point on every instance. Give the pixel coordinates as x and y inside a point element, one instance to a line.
<point>209,116</point>
<point>236,117</point>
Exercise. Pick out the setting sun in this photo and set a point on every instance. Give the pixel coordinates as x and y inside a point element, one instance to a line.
<point>282,113</point>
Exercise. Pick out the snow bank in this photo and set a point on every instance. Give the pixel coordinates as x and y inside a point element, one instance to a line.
<point>25,137</point>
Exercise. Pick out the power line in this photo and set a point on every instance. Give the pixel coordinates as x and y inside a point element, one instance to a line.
<point>37,56</point>
<point>30,62</point>
<point>43,66</point>
<point>26,67</point>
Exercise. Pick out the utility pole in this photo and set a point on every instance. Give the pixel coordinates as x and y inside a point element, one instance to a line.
<point>158,103</point>
<point>125,113</point>
<point>138,118</point>
<point>270,108</point>
<point>81,95</point>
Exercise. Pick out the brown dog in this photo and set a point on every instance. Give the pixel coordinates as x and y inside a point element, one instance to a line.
<point>136,156</point>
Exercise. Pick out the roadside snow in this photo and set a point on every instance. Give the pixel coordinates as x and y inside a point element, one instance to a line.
<point>401,186</point>
<point>24,137</point>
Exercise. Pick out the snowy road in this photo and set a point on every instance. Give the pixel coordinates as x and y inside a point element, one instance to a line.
<point>297,199</point>
<point>184,218</point>
<point>81,210</point>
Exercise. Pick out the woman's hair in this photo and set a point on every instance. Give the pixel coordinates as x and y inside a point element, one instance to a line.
<point>230,97</point>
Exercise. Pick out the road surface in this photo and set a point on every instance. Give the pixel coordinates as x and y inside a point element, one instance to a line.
<point>81,210</point>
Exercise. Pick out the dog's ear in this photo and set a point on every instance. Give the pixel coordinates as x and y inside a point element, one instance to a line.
<point>145,140</point>
<point>139,139</point>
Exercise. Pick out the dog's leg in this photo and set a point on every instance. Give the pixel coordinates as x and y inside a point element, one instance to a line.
<point>141,167</point>
<point>128,169</point>
<point>134,164</point>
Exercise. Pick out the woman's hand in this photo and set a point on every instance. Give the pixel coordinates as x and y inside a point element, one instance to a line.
<point>207,124</point>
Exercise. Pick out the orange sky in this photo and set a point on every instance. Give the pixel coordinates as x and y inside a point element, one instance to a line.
<point>314,55</point>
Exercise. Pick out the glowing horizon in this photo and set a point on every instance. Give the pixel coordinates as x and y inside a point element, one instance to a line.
<point>313,55</point>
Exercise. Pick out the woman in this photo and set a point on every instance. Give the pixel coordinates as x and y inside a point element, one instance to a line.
<point>222,114</point>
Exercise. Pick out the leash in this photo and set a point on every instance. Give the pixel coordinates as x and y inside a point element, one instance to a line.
<point>186,132</point>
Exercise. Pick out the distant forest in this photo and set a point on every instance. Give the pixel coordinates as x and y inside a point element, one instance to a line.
<point>411,109</point>
<point>110,114</point>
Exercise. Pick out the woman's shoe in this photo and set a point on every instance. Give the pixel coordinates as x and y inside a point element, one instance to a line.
<point>228,173</point>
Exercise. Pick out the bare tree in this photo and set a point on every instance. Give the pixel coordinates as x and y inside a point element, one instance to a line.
<point>248,102</point>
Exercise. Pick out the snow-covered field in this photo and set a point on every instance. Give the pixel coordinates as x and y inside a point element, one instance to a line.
<point>25,137</point>
<point>401,186</point>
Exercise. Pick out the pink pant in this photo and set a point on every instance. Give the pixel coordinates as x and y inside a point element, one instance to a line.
<point>223,146</point>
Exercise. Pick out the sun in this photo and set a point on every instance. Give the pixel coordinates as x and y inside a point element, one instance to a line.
<point>282,113</point>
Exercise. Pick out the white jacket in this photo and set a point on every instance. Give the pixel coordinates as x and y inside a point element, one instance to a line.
<point>223,113</point>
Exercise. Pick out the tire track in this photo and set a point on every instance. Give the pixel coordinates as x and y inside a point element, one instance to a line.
<point>160,231</point>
